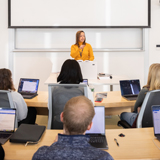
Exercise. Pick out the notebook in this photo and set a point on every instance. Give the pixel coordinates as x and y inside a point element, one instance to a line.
<point>97,132</point>
<point>28,87</point>
<point>28,133</point>
<point>156,121</point>
<point>130,89</point>
<point>7,123</point>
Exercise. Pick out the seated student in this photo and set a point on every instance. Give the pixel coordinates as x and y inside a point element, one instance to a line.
<point>153,83</point>
<point>73,143</point>
<point>2,154</point>
<point>24,114</point>
<point>70,74</point>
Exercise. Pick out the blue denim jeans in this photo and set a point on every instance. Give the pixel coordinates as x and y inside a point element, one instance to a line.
<point>128,117</point>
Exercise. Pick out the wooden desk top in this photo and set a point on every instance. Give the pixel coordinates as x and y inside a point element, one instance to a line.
<point>137,144</point>
<point>39,101</point>
<point>114,99</point>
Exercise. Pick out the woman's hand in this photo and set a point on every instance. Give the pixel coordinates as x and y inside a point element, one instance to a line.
<point>138,109</point>
<point>82,46</point>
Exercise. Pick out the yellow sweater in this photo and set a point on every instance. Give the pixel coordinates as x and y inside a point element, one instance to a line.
<point>87,52</point>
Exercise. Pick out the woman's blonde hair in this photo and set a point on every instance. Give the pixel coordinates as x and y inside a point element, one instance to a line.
<point>155,78</point>
<point>150,75</point>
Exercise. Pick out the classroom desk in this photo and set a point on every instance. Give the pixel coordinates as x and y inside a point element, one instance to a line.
<point>40,102</point>
<point>114,81</point>
<point>137,144</point>
<point>114,103</point>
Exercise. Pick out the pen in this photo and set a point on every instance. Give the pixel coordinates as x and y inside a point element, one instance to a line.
<point>116,142</point>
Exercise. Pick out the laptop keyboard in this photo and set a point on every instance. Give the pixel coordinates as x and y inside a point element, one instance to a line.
<point>2,135</point>
<point>97,139</point>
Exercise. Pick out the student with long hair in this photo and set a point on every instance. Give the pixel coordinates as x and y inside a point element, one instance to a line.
<point>81,50</point>
<point>153,83</point>
<point>24,115</point>
<point>70,74</point>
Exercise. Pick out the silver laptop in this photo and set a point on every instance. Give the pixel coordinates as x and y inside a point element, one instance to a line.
<point>28,87</point>
<point>7,123</point>
<point>89,69</point>
<point>156,121</point>
<point>97,132</point>
<point>130,89</point>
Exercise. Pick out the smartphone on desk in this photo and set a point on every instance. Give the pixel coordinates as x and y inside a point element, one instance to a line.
<point>98,99</point>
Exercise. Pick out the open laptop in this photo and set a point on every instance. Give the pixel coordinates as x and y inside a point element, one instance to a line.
<point>28,87</point>
<point>156,121</point>
<point>97,132</point>
<point>85,81</point>
<point>7,123</point>
<point>130,89</point>
<point>88,69</point>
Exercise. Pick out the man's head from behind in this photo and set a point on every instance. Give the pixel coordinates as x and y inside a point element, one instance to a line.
<point>77,115</point>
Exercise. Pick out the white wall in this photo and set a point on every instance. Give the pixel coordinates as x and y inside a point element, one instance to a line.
<point>3,34</point>
<point>39,64</point>
<point>154,33</point>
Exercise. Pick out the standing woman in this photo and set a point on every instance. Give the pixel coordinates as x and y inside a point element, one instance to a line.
<point>24,114</point>
<point>81,50</point>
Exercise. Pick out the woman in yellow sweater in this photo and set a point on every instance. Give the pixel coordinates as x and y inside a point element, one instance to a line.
<point>81,50</point>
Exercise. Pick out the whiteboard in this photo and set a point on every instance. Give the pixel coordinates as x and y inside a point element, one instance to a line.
<point>75,13</point>
<point>60,39</point>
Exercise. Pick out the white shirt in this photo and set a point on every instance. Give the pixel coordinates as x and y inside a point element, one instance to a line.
<point>20,105</point>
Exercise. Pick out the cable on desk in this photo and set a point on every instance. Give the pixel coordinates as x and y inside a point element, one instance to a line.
<point>155,143</point>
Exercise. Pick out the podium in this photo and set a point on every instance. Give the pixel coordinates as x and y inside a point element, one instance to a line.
<point>88,69</point>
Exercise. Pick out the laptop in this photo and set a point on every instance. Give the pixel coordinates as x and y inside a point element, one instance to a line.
<point>156,121</point>
<point>88,69</point>
<point>7,123</point>
<point>97,132</point>
<point>85,81</point>
<point>28,87</point>
<point>130,89</point>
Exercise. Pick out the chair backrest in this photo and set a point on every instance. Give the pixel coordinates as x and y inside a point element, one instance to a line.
<point>63,97</point>
<point>6,101</point>
<point>145,115</point>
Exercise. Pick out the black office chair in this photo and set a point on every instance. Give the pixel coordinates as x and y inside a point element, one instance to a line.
<point>59,94</point>
<point>145,115</point>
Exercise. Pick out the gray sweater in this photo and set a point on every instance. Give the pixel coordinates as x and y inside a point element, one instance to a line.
<point>140,98</point>
<point>71,147</point>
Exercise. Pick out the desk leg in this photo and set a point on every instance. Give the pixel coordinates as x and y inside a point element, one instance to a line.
<point>111,87</point>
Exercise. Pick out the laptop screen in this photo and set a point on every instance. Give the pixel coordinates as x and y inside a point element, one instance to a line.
<point>98,126</point>
<point>7,119</point>
<point>130,87</point>
<point>156,119</point>
<point>85,81</point>
<point>28,85</point>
